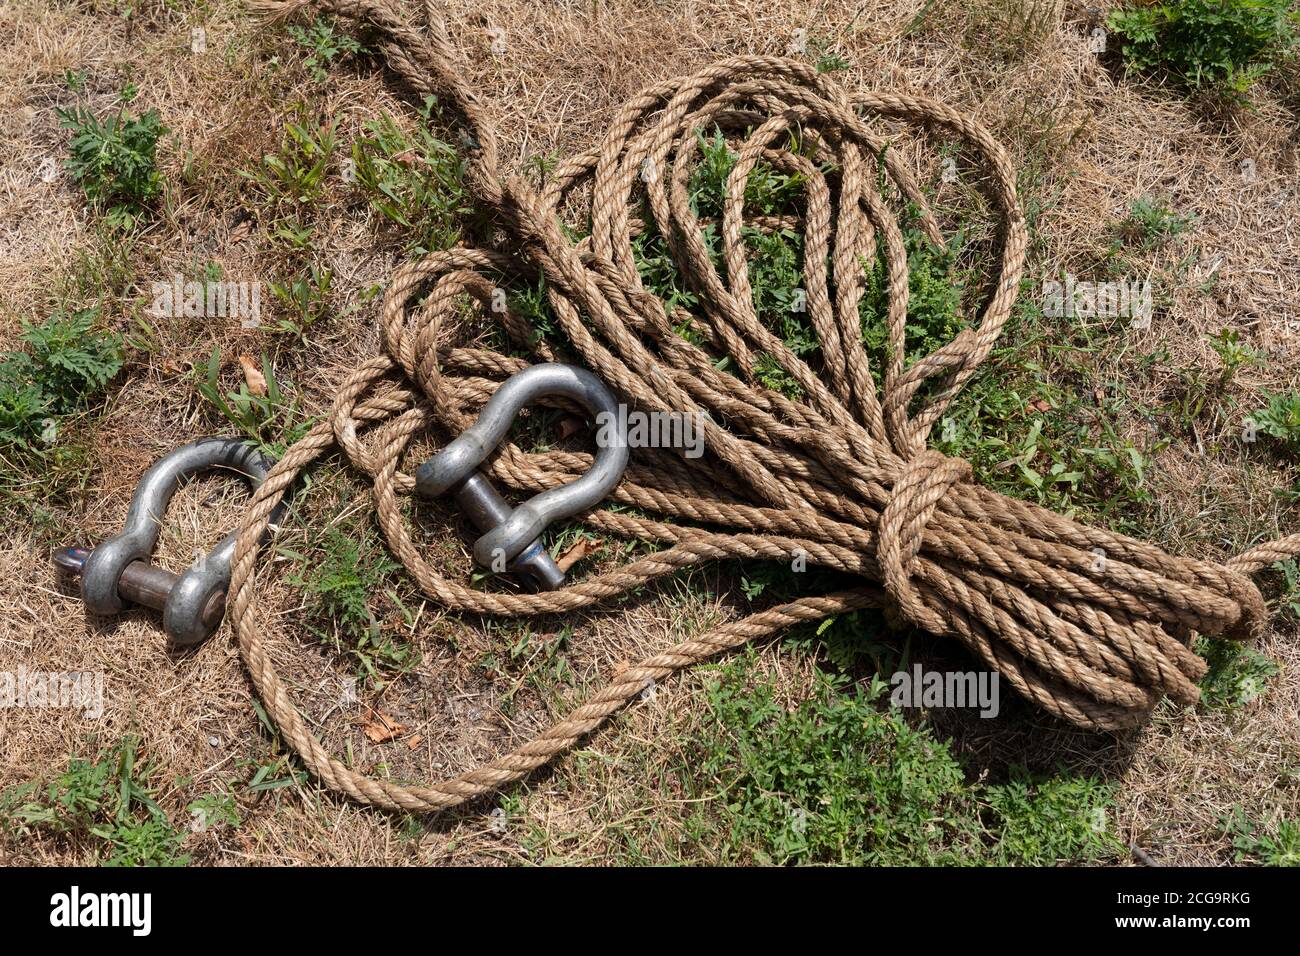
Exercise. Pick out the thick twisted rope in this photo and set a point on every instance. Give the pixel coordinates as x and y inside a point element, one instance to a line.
<point>1092,626</point>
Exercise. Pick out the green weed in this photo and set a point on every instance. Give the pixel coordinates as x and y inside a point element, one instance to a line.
<point>273,421</point>
<point>306,300</point>
<point>935,292</point>
<point>767,191</point>
<point>1290,599</point>
<point>1280,418</point>
<point>840,780</point>
<point>1041,822</point>
<point>68,361</point>
<point>774,257</point>
<point>214,810</point>
<point>1254,842</point>
<point>935,286</point>
<point>1150,223</point>
<point>1217,46</point>
<point>536,661</point>
<point>1237,675</point>
<point>1233,353</point>
<point>769,373</point>
<point>834,781</point>
<point>1030,436</point>
<point>338,578</point>
<point>850,639</point>
<point>57,377</point>
<point>115,160</point>
<point>324,46</point>
<point>416,181</point>
<point>75,80</point>
<point>102,272</point>
<point>295,174</point>
<point>831,63</point>
<point>824,59</point>
<point>530,303</point>
<point>277,773</point>
<point>108,801</point>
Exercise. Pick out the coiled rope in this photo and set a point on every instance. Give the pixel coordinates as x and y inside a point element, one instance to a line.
<point>843,477</point>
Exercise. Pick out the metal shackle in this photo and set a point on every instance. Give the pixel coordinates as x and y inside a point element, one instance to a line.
<point>193,602</point>
<point>512,535</point>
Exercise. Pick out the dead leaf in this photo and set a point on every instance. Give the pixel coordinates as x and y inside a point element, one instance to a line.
<point>414,740</point>
<point>381,728</point>
<point>1042,404</point>
<point>253,376</point>
<point>581,548</point>
<point>569,426</point>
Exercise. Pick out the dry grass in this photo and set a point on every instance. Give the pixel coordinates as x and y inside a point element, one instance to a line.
<point>1089,145</point>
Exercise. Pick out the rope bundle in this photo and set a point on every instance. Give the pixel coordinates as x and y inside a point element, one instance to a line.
<point>1092,626</point>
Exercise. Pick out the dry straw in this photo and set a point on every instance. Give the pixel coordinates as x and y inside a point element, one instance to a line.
<point>1092,626</point>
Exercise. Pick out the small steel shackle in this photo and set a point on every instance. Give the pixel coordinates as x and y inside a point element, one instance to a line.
<point>119,571</point>
<point>511,536</point>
